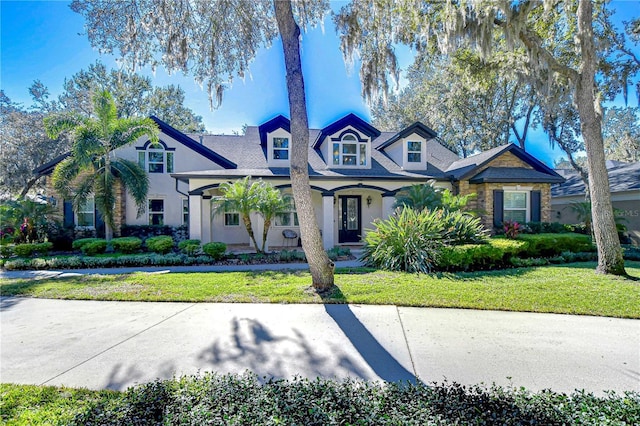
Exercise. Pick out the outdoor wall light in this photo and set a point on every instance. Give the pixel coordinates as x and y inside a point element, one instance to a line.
<point>369,201</point>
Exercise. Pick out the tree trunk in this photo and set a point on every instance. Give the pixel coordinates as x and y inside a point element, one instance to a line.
<point>320,265</point>
<point>610,259</point>
<point>247,224</point>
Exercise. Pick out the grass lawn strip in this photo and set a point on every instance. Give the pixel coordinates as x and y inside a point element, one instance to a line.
<point>244,399</point>
<point>568,289</point>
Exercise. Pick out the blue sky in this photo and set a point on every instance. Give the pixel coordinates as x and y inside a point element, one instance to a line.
<point>43,40</point>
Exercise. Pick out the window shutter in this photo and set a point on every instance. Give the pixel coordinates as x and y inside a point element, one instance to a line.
<point>536,207</point>
<point>141,155</point>
<point>498,207</point>
<point>100,226</point>
<point>68,213</point>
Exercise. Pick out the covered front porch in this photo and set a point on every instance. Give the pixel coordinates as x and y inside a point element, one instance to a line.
<point>343,214</point>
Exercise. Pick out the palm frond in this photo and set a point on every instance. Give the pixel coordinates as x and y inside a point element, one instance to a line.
<point>134,179</point>
<point>63,176</point>
<point>59,123</point>
<point>128,130</point>
<point>83,189</point>
<point>105,109</point>
<point>105,197</point>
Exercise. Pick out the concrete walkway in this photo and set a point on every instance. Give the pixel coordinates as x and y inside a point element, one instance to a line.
<point>118,344</point>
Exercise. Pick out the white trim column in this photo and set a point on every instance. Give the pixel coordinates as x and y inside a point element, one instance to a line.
<point>388,200</point>
<point>327,220</point>
<point>206,219</point>
<point>195,217</point>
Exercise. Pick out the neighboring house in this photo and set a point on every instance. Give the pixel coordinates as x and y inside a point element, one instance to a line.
<point>355,172</point>
<point>624,183</point>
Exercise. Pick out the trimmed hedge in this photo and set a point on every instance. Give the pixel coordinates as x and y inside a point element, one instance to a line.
<point>189,247</point>
<point>550,245</point>
<point>28,250</point>
<point>94,247</point>
<point>161,244</point>
<point>471,257</point>
<point>215,249</point>
<point>244,400</point>
<point>79,243</point>
<point>126,244</point>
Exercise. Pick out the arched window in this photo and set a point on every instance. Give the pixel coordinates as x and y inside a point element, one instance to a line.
<point>156,158</point>
<point>348,151</point>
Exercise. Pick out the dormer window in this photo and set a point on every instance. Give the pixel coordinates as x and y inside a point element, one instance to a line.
<point>156,159</point>
<point>414,152</point>
<point>280,148</point>
<point>349,152</point>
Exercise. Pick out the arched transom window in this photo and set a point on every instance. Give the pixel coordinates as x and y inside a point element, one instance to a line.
<point>349,151</point>
<point>156,158</point>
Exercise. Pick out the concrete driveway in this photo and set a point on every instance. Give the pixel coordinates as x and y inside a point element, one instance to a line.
<point>118,344</point>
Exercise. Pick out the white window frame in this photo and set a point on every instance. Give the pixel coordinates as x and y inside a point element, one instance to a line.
<point>418,152</point>
<point>92,212</point>
<point>166,163</point>
<point>350,139</point>
<point>228,214</point>
<point>526,209</point>
<point>156,213</point>
<point>185,211</point>
<point>286,149</point>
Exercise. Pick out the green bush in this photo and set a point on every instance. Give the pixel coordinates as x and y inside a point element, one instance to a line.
<point>551,245</point>
<point>7,250</point>
<point>547,228</point>
<point>94,247</point>
<point>189,247</point>
<point>245,399</point>
<point>631,252</point>
<point>462,228</point>
<point>215,249</point>
<point>409,240</point>
<point>161,244</point>
<point>126,244</point>
<point>337,251</point>
<point>24,250</point>
<point>78,244</point>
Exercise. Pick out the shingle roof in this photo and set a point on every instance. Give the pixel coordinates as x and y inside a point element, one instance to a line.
<point>622,178</point>
<point>515,175</point>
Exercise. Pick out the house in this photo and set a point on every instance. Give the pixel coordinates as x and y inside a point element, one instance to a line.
<point>355,172</point>
<point>624,183</point>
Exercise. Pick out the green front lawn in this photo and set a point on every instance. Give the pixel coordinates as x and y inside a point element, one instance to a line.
<point>569,289</point>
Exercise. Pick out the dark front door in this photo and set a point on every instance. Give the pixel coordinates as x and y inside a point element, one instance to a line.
<point>349,214</point>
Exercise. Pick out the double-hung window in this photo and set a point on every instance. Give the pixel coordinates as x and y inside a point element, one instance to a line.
<point>86,214</point>
<point>349,152</point>
<point>280,148</point>
<point>414,152</point>
<point>289,218</point>
<point>156,212</point>
<point>155,159</point>
<point>516,206</point>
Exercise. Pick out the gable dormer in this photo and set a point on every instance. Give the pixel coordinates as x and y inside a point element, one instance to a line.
<point>275,139</point>
<point>408,148</point>
<point>346,143</point>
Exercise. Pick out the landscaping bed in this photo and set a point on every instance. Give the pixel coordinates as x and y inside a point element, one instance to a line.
<point>245,399</point>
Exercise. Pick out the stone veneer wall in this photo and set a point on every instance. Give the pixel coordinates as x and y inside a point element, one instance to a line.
<point>119,210</point>
<point>484,201</point>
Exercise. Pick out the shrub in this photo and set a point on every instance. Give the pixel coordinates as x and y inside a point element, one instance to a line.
<point>631,252</point>
<point>550,245</point>
<point>161,244</point>
<point>78,244</point>
<point>24,250</point>
<point>189,247</point>
<point>7,250</point>
<point>512,229</point>
<point>43,248</point>
<point>126,244</point>
<point>337,251</point>
<point>462,228</point>
<point>470,257</point>
<point>94,247</point>
<point>409,240</point>
<point>215,249</point>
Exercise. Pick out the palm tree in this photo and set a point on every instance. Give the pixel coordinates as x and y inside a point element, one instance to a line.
<point>92,167</point>
<point>245,197</point>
